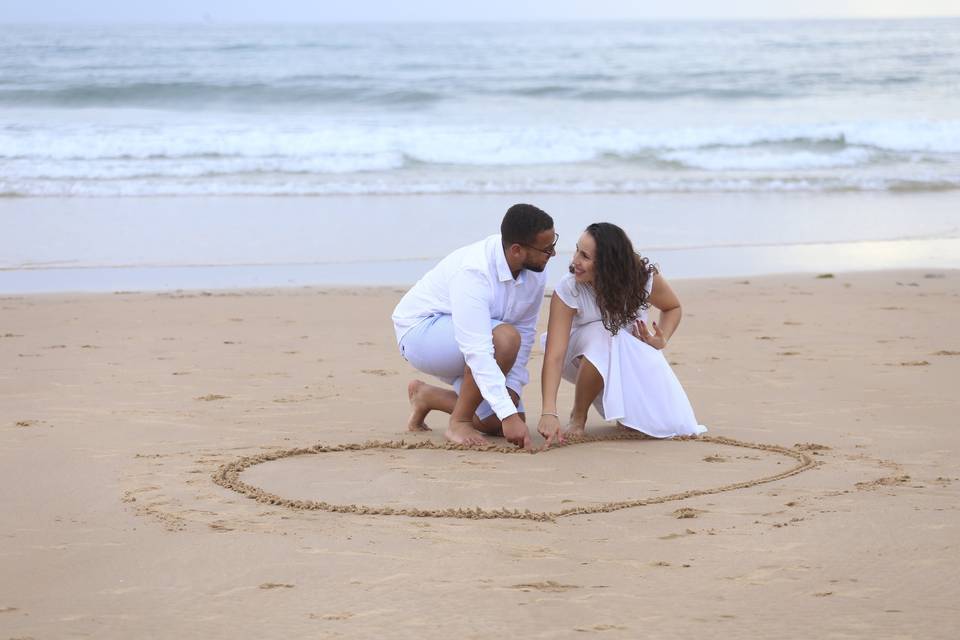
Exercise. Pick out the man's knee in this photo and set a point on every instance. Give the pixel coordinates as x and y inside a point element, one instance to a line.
<point>506,341</point>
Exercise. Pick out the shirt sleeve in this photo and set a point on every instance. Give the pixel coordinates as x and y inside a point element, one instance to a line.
<point>519,376</point>
<point>470,294</point>
<point>567,291</point>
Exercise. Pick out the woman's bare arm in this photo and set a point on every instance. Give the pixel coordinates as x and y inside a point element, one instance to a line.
<point>558,337</point>
<point>663,298</point>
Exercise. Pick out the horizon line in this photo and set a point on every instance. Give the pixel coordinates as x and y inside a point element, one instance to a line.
<point>211,21</point>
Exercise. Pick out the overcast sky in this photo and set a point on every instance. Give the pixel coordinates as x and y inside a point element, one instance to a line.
<point>87,11</point>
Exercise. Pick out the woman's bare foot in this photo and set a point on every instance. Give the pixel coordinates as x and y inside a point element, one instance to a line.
<point>576,427</point>
<point>419,408</point>
<point>463,433</point>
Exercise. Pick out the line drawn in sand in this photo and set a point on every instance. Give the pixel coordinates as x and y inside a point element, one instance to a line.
<point>228,476</point>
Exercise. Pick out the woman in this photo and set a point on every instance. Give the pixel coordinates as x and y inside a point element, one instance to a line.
<point>597,338</point>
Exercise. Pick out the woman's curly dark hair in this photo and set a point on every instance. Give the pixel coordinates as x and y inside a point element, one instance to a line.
<point>620,276</point>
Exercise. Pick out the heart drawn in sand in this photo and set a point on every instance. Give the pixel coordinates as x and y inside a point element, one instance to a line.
<point>228,476</point>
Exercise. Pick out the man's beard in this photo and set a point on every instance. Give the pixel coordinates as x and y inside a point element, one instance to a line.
<point>534,268</point>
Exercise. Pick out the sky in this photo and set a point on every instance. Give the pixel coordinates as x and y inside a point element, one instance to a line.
<point>228,11</point>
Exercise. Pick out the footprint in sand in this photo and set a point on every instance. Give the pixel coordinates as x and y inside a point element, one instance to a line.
<point>379,372</point>
<point>549,586</point>
<point>810,446</point>
<point>889,481</point>
<point>210,397</point>
<point>276,585</point>
<point>674,536</point>
<point>345,615</point>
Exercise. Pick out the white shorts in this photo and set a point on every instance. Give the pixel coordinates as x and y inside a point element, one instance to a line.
<point>431,347</point>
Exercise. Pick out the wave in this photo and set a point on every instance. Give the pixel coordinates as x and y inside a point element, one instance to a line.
<point>205,166</point>
<point>771,147</point>
<point>302,92</point>
<point>304,186</point>
<point>576,91</point>
<point>184,95</point>
<point>87,88</point>
<point>312,156</point>
<point>763,158</point>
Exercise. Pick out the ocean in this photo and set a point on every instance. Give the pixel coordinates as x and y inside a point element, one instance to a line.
<point>222,156</point>
<point>601,108</point>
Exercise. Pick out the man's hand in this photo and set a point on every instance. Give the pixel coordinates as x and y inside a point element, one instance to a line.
<point>655,339</point>
<point>515,431</point>
<point>549,428</point>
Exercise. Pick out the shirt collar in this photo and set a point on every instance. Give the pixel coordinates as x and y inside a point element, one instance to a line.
<point>503,269</point>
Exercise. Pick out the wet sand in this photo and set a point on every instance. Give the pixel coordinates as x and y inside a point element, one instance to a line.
<point>118,410</point>
<point>55,245</point>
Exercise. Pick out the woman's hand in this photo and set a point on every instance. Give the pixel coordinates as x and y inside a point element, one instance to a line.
<point>655,339</point>
<point>549,428</point>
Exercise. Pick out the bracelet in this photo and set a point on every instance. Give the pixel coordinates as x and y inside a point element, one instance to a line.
<point>547,413</point>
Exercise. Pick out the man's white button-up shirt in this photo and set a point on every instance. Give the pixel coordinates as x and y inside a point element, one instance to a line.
<point>474,286</point>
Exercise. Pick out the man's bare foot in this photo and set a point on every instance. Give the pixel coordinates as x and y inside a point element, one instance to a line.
<point>463,433</point>
<point>419,409</point>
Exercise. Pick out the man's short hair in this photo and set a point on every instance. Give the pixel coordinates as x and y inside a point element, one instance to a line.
<point>522,223</point>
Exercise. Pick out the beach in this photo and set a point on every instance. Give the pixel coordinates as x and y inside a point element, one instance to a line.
<point>204,229</point>
<point>118,410</point>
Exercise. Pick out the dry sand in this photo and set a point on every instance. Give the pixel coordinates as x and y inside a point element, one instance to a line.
<point>117,411</point>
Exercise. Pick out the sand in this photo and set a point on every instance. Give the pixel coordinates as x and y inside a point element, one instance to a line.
<point>119,413</point>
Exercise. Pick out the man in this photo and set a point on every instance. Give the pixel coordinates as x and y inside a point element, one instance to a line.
<point>471,322</point>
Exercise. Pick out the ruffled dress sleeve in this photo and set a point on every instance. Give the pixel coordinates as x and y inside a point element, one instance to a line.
<point>567,291</point>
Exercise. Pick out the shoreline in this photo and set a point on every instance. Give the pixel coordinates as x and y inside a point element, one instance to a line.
<point>677,264</point>
<point>221,288</point>
<point>84,244</point>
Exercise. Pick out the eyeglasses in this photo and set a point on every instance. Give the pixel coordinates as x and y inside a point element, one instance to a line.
<point>550,250</point>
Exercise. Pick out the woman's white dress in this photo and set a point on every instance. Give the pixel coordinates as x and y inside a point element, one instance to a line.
<point>640,390</point>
